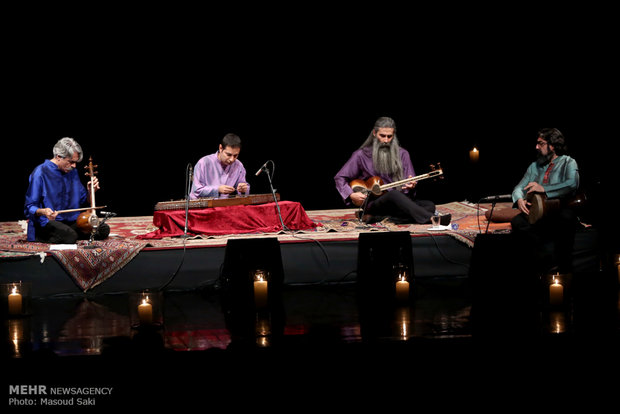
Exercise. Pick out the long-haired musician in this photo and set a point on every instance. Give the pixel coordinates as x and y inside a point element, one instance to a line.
<point>54,186</point>
<point>555,176</point>
<point>220,174</point>
<point>382,156</point>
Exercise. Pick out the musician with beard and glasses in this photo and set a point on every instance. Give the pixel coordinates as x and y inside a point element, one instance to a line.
<point>555,175</point>
<point>382,156</point>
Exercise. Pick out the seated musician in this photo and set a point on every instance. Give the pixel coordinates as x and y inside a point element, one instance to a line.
<point>555,175</point>
<point>54,186</point>
<point>381,155</point>
<point>220,174</point>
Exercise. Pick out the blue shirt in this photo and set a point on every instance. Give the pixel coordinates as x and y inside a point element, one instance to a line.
<point>563,178</point>
<point>49,187</point>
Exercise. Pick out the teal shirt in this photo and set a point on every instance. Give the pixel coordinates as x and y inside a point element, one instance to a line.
<point>563,178</point>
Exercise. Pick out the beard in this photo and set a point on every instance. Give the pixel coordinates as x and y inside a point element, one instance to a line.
<point>543,159</point>
<point>386,159</point>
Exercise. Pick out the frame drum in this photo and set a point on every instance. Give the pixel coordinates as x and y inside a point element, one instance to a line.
<point>537,209</point>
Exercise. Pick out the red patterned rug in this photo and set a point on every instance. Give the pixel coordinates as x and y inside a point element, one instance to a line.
<point>90,267</point>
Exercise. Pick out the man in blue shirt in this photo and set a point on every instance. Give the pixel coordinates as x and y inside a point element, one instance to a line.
<point>53,186</point>
<point>555,175</point>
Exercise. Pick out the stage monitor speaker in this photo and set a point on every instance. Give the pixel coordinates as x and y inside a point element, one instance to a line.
<point>377,256</point>
<point>505,286</point>
<point>242,259</point>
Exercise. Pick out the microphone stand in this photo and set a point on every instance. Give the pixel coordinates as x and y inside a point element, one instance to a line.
<point>495,199</point>
<point>188,187</point>
<point>91,240</point>
<point>273,192</point>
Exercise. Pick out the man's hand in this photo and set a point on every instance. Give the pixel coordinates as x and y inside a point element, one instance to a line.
<point>225,189</point>
<point>47,212</point>
<point>534,188</point>
<point>410,184</point>
<point>358,198</point>
<point>523,206</point>
<point>95,182</point>
<point>242,188</point>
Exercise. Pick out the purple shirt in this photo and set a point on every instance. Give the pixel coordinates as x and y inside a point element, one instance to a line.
<point>209,174</point>
<point>360,166</point>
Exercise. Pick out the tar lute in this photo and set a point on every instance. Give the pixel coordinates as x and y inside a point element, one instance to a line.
<point>375,185</point>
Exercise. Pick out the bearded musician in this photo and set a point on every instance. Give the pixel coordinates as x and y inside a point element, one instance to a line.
<point>382,156</point>
<point>555,175</point>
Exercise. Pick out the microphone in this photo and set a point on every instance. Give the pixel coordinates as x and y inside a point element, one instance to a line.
<point>107,213</point>
<point>261,169</point>
<point>503,197</point>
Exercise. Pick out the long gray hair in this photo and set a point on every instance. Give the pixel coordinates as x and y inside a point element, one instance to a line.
<point>66,147</point>
<point>385,157</point>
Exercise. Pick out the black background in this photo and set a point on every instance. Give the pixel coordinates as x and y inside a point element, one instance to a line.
<point>145,98</point>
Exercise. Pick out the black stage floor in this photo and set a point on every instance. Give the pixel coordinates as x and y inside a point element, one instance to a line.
<point>464,340</point>
<point>321,343</point>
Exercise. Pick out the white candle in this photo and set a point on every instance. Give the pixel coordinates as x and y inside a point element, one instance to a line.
<point>556,293</point>
<point>402,289</point>
<point>145,312</point>
<point>15,302</point>
<point>260,290</point>
<point>474,154</point>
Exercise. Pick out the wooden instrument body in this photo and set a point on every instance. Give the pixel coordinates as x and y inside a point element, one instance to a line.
<point>208,202</point>
<point>375,185</point>
<point>542,206</point>
<point>87,221</point>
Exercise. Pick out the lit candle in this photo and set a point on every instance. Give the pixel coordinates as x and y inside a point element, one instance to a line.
<point>145,312</point>
<point>260,289</point>
<point>556,292</point>
<point>474,154</point>
<point>15,302</point>
<point>402,288</point>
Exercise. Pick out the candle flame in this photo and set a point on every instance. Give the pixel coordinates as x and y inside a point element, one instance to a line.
<point>145,301</point>
<point>14,291</point>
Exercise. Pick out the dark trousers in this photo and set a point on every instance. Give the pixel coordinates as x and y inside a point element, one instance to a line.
<point>57,232</point>
<point>399,205</point>
<point>559,228</point>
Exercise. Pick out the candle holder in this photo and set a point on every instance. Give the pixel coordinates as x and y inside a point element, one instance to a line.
<point>557,289</point>
<point>263,329</point>
<point>146,310</point>
<point>16,299</point>
<point>261,279</point>
<point>402,283</point>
